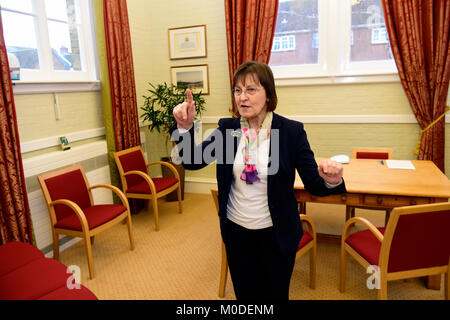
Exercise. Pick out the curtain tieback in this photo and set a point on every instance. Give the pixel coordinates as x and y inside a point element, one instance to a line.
<point>416,151</point>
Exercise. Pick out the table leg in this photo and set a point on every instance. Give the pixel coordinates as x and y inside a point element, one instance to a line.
<point>302,207</point>
<point>348,213</point>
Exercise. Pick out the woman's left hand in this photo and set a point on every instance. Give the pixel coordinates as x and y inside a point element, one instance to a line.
<point>331,171</point>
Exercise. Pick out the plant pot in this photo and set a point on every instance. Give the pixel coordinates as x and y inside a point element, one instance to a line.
<point>173,196</point>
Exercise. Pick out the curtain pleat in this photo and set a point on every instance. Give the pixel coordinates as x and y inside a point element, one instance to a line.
<point>121,74</point>
<point>15,218</point>
<point>419,36</point>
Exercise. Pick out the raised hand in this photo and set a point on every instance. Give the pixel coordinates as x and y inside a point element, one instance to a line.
<point>331,171</point>
<point>184,113</point>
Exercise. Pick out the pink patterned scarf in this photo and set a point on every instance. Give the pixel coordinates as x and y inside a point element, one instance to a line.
<point>253,138</point>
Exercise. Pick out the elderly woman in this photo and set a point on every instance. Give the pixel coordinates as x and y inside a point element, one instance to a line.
<point>257,155</point>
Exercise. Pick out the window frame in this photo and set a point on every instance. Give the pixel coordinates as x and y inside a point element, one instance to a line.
<point>46,74</point>
<point>334,65</point>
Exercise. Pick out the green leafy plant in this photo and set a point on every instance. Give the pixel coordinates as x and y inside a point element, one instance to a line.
<point>159,104</point>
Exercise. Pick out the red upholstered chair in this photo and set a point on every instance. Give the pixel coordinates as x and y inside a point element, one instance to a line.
<point>72,211</point>
<point>308,243</point>
<point>415,243</point>
<point>137,183</point>
<point>369,153</point>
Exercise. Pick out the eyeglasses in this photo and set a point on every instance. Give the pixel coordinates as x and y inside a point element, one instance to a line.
<point>250,91</point>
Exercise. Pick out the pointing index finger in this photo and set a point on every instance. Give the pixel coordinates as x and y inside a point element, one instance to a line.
<point>190,98</point>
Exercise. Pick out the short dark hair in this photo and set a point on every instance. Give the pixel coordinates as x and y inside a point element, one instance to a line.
<point>263,74</point>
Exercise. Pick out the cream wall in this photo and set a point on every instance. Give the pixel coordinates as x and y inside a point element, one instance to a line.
<point>149,24</point>
<point>36,115</point>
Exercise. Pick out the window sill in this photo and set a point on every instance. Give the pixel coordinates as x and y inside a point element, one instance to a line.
<point>337,79</point>
<point>24,87</point>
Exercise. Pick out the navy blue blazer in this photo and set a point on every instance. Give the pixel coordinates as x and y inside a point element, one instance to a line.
<point>289,140</point>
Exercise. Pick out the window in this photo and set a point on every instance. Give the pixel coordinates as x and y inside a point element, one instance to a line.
<point>334,40</point>
<point>284,43</point>
<point>379,36</point>
<point>51,39</point>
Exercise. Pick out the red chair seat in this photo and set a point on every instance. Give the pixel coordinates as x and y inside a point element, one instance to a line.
<point>160,184</point>
<point>17,254</point>
<point>95,215</point>
<point>366,244</point>
<point>65,293</point>
<point>306,238</point>
<point>33,280</point>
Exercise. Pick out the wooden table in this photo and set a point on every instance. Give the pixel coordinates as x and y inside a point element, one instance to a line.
<point>372,184</point>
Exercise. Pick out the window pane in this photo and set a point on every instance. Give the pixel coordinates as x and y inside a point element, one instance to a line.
<point>65,45</point>
<point>298,19</point>
<point>20,39</point>
<point>369,35</point>
<point>22,5</point>
<point>63,10</point>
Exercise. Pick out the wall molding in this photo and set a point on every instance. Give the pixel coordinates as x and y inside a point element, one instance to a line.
<point>199,185</point>
<point>379,118</point>
<point>326,119</point>
<point>53,141</point>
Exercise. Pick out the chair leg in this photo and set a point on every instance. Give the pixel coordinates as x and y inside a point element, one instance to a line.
<point>343,268</point>
<point>130,231</point>
<point>87,243</point>
<point>180,208</point>
<point>92,240</point>
<point>155,212</point>
<point>223,272</point>
<point>55,245</point>
<point>312,267</point>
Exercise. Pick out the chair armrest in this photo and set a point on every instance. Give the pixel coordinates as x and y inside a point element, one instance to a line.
<point>310,223</point>
<point>145,176</point>
<point>75,208</point>
<point>351,222</point>
<point>168,165</point>
<point>116,190</point>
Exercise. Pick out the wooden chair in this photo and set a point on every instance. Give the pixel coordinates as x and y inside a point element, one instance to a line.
<point>72,210</point>
<point>137,183</point>
<point>369,153</point>
<point>308,243</point>
<point>415,243</point>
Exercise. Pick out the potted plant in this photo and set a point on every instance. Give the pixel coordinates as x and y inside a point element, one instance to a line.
<point>158,110</point>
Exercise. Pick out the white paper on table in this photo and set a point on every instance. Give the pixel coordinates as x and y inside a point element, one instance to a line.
<point>400,164</point>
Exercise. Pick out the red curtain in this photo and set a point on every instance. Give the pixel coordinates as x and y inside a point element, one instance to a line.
<point>419,36</point>
<point>121,74</point>
<point>250,29</point>
<point>15,218</point>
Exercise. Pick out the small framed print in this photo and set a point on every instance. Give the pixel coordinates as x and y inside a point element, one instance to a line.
<point>187,42</point>
<point>194,77</point>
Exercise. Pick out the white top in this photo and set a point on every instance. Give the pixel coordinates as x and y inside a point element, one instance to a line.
<point>248,204</point>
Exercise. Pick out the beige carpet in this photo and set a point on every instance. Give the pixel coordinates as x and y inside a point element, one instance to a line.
<point>182,260</point>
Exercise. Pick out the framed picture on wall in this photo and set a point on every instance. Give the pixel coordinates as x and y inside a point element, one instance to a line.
<point>195,77</point>
<point>187,42</point>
